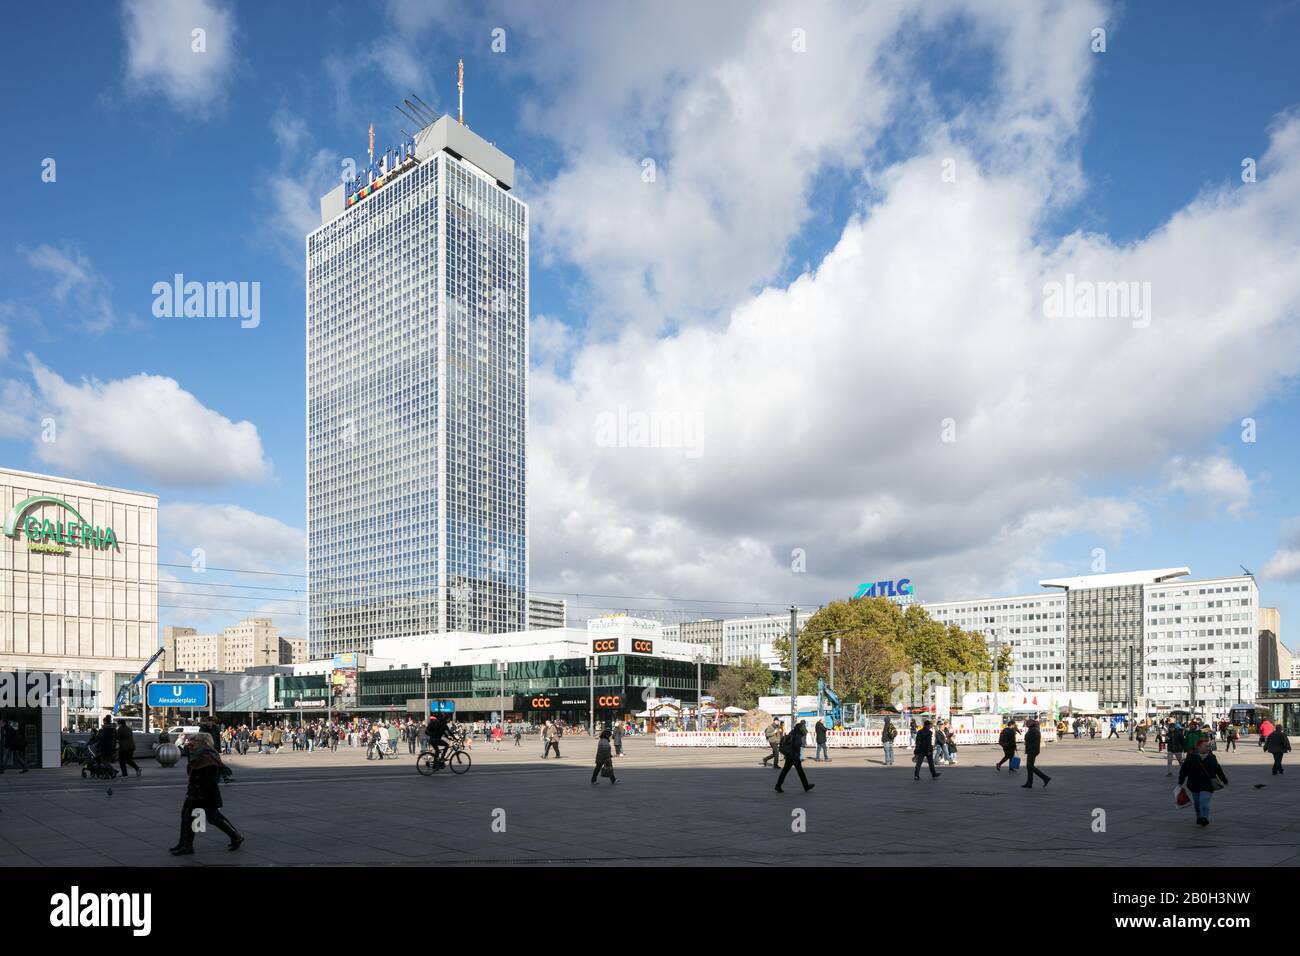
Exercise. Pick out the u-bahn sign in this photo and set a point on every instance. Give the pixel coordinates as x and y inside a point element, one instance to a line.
<point>193,694</point>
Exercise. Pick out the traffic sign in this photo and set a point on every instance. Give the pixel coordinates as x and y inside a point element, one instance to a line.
<point>193,694</point>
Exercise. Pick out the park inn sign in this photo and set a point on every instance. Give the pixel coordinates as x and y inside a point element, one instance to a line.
<point>53,537</point>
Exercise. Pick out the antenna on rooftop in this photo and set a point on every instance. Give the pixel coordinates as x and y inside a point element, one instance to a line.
<point>460,85</point>
<point>1247,570</point>
<point>372,144</point>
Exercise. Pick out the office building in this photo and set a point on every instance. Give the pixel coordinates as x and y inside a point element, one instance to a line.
<point>417,397</point>
<point>546,612</point>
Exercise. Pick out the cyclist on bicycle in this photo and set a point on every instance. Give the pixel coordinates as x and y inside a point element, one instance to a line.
<point>437,730</point>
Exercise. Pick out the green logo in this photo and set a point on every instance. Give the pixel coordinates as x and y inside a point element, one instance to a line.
<point>41,532</point>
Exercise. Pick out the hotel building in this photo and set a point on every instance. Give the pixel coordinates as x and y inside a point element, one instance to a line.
<point>417,397</point>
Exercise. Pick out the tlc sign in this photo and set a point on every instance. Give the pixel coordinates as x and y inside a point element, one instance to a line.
<point>902,588</point>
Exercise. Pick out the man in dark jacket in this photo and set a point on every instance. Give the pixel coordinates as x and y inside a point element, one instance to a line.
<point>618,739</point>
<point>792,751</point>
<point>106,742</point>
<point>924,751</point>
<point>14,746</point>
<point>822,753</point>
<point>126,748</point>
<point>1007,740</point>
<point>202,793</point>
<point>1033,740</point>
<point>1277,744</point>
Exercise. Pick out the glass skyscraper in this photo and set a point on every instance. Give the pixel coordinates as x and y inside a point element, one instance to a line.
<point>417,397</point>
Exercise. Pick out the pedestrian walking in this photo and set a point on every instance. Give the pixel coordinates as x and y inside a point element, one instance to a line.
<point>1232,737</point>
<point>1202,775</point>
<point>554,741</point>
<point>1176,748</point>
<point>1033,740</point>
<point>1265,728</point>
<point>773,736</point>
<point>791,750</point>
<point>203,793</point>
<point>604,759</point>
<point>924,752</point>
<point>940,743</point>
<point>618,739</point>
<point>819,731</point>
<point>1141,735</point>
<point>14,742</point>
<point>887,735</point>
<point>1277,744</point>
<point>126,748</point>
<point>1007,740</point>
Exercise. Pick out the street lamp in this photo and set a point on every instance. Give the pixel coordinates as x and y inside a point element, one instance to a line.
<point>502,667</point>
<point>699,691</point>
<point>424,673</point>
<point>591,707</point>
<point>830,651</point>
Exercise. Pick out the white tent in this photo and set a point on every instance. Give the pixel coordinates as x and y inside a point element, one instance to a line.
<point>734,711</point>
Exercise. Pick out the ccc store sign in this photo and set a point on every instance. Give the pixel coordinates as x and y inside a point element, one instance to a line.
<point>541,703</point>
<point>609,700</point>
<point>642,646</point>
<point>605,645</point>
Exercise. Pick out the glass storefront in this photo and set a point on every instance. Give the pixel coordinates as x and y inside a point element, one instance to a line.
<point>547,689</point>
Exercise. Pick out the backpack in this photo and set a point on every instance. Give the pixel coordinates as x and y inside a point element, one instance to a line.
<point>786,746</point>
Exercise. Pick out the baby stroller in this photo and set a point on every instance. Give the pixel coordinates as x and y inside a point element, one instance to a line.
<point>93,766</point>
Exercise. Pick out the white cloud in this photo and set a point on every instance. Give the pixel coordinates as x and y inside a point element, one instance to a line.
<point>163,54</point>
<point>146,424</point>
<point>823,401</point>
<point>1216,479</point>
<point>223,536</point>
<point>231,537</point>
<point>1284,565</point>
<point>77,286</point>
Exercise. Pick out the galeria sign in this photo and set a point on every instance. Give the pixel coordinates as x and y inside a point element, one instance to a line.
<point>46,536</point>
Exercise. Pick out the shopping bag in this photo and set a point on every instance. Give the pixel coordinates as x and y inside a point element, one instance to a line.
<point>1181,797</point>
<point>1015,763</point>
<point>607,769</point>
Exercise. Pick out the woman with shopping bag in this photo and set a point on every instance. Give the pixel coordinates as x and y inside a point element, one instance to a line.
<point>604,760</point>
<point>1202,775</point>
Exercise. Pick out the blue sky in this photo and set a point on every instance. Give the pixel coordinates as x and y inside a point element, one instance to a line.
<point>209,164</point>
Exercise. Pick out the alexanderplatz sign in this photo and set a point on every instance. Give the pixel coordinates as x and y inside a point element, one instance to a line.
<point>55,537</point>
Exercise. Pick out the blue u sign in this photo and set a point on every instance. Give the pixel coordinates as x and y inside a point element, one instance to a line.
<point>177,694</point>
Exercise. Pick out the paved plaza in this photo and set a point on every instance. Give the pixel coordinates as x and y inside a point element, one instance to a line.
<point>670,807</point>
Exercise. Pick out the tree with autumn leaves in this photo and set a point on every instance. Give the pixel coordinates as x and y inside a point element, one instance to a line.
<point>879,639</point>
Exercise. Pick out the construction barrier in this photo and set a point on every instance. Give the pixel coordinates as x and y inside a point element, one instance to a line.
<point>968,730</point>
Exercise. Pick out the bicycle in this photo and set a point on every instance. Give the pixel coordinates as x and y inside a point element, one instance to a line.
<point>457,759</point>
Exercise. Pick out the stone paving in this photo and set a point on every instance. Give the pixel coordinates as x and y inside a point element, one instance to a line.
<point>670,807</point>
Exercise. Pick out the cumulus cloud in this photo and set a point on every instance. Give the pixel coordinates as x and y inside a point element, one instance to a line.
<point>1216,479</point>
<point>231,537</point>
<point>1284,565</point>
<point>165,56</point>
<point>146,424</point>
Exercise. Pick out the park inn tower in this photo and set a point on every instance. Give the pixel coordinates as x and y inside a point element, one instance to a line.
<point>417,397</point>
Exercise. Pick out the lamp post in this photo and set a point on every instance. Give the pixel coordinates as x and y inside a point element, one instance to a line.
<point>502,667</point>
<point>424,673</point>
<point>830,651</point>
<point>591,707</point>
<point>997,680</point>
<point>699,691</point>
<point>794,667</point>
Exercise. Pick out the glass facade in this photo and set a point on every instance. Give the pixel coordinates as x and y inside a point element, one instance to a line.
<point>627,675</point>
<point>417,360</point>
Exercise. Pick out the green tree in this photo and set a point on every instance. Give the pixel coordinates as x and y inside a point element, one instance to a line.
<point>742,684</point>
